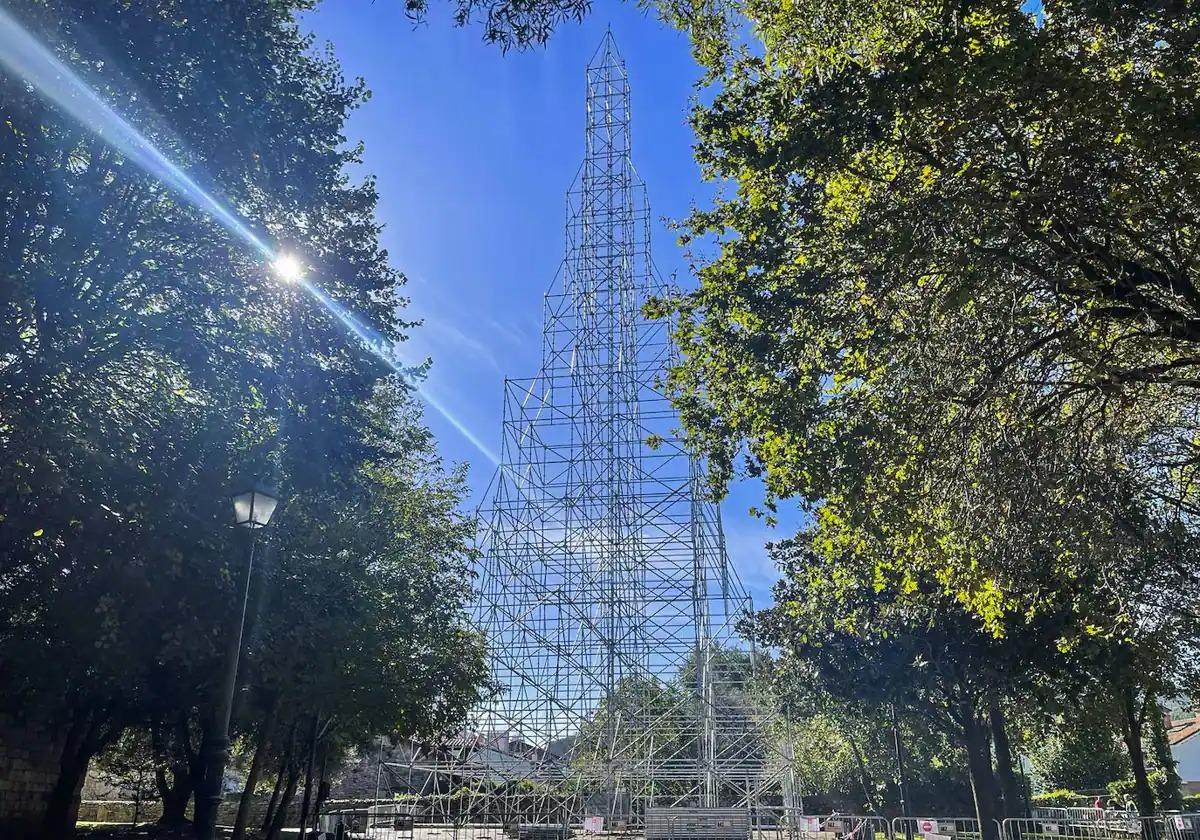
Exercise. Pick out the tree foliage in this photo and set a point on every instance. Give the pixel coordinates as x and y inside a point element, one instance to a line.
<point>510,23</point>
<point>129,767</point>
<point>946,305</point>
<point>1081,751</point>
<point>845,762</point>
<point>660,722</point>
<point>150,365</point>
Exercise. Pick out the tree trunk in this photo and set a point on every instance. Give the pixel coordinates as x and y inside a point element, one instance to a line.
<point>1172,793</point>
<point>901,781</point>
<point>322,788</point>
<point>1131,732</point>
<point>59,818</point>
<point>279,818</point>
<point>274,800</point>
<point>178,758</point>
<point>85,737</point>
<point>864,777</point>
<point>209,778</point>
<point>1014,802</point>
<point>62,807</point>
<point>175,796</point>
<point>284,766</point>
<point>308,776</point>
<point>979,765</point>
<point>256,763</point>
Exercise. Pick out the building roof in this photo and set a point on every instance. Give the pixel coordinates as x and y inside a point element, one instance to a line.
<point>1181,730</point>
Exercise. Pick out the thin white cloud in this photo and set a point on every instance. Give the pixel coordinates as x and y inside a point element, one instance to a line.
<point>444,336</point>
<point>745,543</point>
<point>511,332</point>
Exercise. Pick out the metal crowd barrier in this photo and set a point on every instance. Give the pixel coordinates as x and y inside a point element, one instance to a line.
<point>791,825</point>
<point>1182,826</point>
<point>387,822</point>
<point>940,828</point>
<point>843,827</point>
<point>1097,824</point>
<point>699,823</point>
<point>341,825</point>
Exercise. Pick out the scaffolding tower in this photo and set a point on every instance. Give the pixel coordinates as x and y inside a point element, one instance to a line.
<point>606,594</point>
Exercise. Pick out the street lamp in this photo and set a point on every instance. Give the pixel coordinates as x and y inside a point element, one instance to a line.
<point>252,509</point>
<point>901,782</point>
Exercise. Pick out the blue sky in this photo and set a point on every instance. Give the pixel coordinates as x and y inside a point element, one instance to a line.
<point>473,151</point>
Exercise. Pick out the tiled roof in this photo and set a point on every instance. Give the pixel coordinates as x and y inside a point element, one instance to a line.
<point>464,739</point>
<point>1181,730</point>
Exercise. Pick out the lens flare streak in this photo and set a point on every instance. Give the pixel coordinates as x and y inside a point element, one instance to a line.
<point>372,340</point>
<point>29,59</point>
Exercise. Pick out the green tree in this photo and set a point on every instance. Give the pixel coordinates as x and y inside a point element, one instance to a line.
<point>845,761</point>
<point>657,723</point>
<point>644,720</point>
<point>361,622</point>
<point>510,23</point>
<point>867,647</point>
<point>129,766</point>
<point>934,315</point>
<point>148,363</point>
<point>1081,750</point>
<point>1169,792</point>
<point>923,247</point>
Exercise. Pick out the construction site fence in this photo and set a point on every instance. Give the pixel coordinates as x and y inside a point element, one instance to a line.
<point>1085,814</point>
<point>833,827</point>
<point>1102,825</point>
<point>397,821</point>
<point>937,828</point>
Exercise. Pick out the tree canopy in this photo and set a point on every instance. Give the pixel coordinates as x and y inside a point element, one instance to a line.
<point>150,366</point>
<point>944,304</point>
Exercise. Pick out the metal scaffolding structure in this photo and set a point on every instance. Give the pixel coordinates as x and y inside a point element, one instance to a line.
<point>606,594</point>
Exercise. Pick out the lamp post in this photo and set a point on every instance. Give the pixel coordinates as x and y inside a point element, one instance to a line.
<point>252,509</point>
<point>901,783</point>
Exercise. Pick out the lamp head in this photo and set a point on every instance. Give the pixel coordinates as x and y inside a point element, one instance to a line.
<point>253,507</point>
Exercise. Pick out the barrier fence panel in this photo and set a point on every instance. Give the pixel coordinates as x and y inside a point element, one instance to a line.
<point>767,823</point>
<point>870,828</point>
<point>697,824</point>
<point>939,828</point>
<point>389,822</point>
<point>796,826</point>
<point>1097,824</point>
<point>1181,826</point>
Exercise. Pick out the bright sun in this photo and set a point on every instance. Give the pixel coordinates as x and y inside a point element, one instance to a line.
<point>287,268</point>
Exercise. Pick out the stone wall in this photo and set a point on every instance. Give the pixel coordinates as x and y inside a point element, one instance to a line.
<point>361,773</point>
<point>28,770</point>
<point>29,760</point>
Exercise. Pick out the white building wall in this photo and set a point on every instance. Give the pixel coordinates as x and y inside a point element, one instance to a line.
<point>1187,756</point>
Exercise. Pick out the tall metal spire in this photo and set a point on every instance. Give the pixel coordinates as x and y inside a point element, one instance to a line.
<point>608,601</point>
